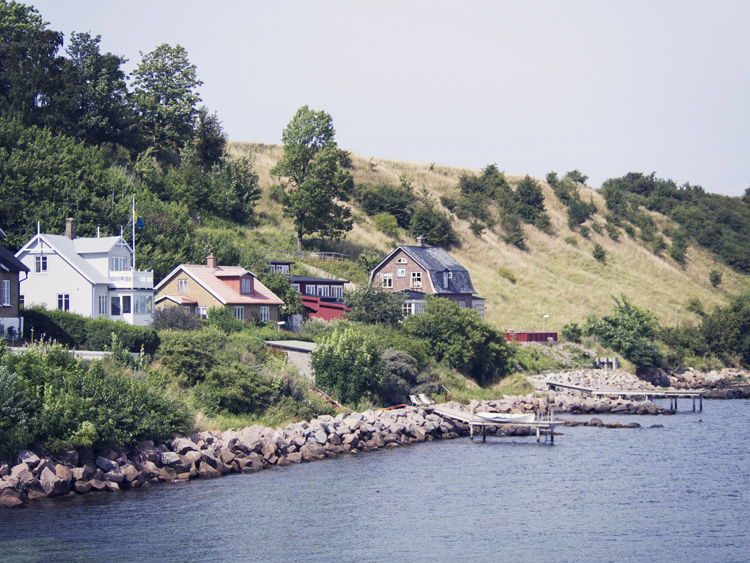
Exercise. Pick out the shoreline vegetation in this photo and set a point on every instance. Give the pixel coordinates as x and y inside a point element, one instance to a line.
<point>213,454</point>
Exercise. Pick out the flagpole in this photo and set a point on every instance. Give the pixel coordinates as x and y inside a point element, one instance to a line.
<point>133,232</point>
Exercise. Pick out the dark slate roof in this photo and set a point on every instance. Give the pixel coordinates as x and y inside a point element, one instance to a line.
<point>10,262</point>
<point>436,261</point>
<point>307,279</point>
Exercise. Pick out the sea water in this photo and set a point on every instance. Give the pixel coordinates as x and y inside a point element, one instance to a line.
<point>677,493</point>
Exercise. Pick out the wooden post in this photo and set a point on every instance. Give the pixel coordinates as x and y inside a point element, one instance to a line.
<point>693,403</point>
<point>484,432</point>
<point>701,402</point>
<point>537,434</point>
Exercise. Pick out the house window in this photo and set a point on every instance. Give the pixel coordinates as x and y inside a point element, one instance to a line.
<point>416,279</point>
<point>462,304</point>
<point>119,263</point>
<point>387,278</point>
<point>245,285</point>
<point>126,304</point>
<point>445,280</point>
<point>280,268</point>
<point>337,291</point>
<point>310,289</point>
<point>143,304</point>
<point>103,305</point>
<point>63,301</point>
<point>40,265</point>
<point>201,312</point>
<point>401,272</point>
<point>114,306</point>
<point>265,313</point>
<point>295,286</point>
<point>181,286</point>
<point>239,312</point>
<point>6,293</point>
<point>323,290</point>
<point>406,309</point>
<point>401,260</point>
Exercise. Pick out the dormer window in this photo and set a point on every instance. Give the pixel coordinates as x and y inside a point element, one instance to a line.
<point>445,280</point>
<point>245,285</point>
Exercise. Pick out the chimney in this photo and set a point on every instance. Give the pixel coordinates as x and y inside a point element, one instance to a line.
<point>70,228</point>
<point>420,240</point>
<point>211,261</point>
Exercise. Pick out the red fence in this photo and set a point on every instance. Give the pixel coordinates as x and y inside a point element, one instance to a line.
<point>531,336</point>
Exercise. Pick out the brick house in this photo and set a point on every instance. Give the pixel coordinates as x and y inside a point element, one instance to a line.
<point>197,288</point>
<point>423,270</point>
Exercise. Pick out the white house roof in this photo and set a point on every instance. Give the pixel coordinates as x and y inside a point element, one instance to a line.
<point>71,250</point>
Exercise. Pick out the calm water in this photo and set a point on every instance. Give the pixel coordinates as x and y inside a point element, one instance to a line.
<point>678,493</point>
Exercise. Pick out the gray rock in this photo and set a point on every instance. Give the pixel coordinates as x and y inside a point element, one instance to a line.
<point>169,458</point>
<point>23,473</point>
<point>52,485</point>
<point>106,464</point>
<point>182,446</point>
<point>10,498</point>
<point>4,469</point>
<point>28,457</point>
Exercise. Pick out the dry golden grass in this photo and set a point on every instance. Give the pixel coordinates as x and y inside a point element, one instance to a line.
<point>553,277</point>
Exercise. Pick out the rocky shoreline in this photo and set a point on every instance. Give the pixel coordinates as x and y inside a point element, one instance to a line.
<point>212,454</point>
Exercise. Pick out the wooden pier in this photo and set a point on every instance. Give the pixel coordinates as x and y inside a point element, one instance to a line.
<point>648,394</point>
<point>542,426</point>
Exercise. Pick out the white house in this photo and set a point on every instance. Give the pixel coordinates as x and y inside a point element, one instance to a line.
<point>92,277</point>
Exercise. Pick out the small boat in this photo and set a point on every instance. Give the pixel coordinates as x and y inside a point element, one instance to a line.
<point>502,417</point>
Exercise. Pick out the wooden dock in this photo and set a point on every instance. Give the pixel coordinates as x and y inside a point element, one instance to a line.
<point>546,427</point>
<point>648,394</point>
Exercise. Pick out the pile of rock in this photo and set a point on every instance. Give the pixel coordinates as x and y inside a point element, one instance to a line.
<point>211,454</point>
<point>573,403</point>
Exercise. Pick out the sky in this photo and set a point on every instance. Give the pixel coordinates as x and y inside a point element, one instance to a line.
<point>532,86</point>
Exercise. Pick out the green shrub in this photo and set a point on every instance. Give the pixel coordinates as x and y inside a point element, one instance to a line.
<point>507,274</point>
<point>234,389</point>
<point>461,339</point>
<point>175,318</point>
<point>571,240</point>
<point>599,253</point>
<point>223,318</point>
<point>132,338</point>
<point>348,366</point>
<point>572,332</point>
<point>386,223</point>
<point>189,356</point>
<point>715,277</point>
<point>372,304</point>
<point>477,228</point>
<point>514,234</point>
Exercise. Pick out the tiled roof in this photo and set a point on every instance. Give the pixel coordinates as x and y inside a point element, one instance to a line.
<point>180,299</point>
<point>211,280</point>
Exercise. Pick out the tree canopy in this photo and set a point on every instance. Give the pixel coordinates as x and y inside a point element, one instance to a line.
<point>313,179</point>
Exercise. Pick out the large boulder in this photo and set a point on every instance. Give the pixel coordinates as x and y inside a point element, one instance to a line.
<point>106,464</point>
<point>52,485</point>
<point>10,498</point>
<point>23,473</point>
<point>182,446</point>
<point>28,457</point>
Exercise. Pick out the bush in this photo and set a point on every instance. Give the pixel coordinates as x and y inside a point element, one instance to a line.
<point>189,356</point>
<point>599,253</point>
<point>629,331</point>
<point>572,332</point>
<point>386,223</point>
<point>514,234</point>
<point>348,366</point>
<point>233,389</point>
<point>175,318</point>
<point>132,338</point>
<point>403,378</point>
<point>715,277</point>
<point>461,339</point>
<point>434,225</point>
<point>223,318</point>
<point>372,304</point>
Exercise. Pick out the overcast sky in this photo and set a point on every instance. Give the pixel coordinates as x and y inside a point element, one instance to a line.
<point>533,86</point>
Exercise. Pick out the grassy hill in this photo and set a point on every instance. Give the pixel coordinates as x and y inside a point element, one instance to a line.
<point>557,275</point>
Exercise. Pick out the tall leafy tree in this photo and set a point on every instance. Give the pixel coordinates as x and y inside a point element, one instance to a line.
<point>313,179</point>
<point>96,93</point>
<point>29,64</point>
<point>166,98</point>
<point>210,140</point>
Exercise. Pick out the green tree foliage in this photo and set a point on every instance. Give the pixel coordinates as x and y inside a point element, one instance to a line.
<point>210,140</point>
<point>434,225</point>
<point>48,178</point>
<point>96,99</point>
<point>629,331</point>
<point>576,176</point>
<point>233,389</point>
<point>282,288</point>
<point>461,339</point>
<point>29,66</point>
<point>514,234</point>
<point>314,182</point>
<point>62,403</point>
<point>530,200</point>
<point>386,223</point>
<point>372,304</point>
<point>727,330</point>
<point>188,356</point>
<point>165,96</point>
<point>572,332</point>
<point>397,201</point>
<point>712,221</point>
<point>678,250</point>
<point>175,318</point>
<point>403,378</point>
<point>348,366</point>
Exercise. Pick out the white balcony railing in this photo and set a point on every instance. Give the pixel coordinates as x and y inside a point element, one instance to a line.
<point>132,279</point>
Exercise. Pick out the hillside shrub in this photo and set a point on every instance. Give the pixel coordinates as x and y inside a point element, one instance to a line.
<point>372,304</point>
<point>629,331</point>
<point>175,318</point>
<point>233,389</point>
<point>599,253</point>
<point>132,338</point>
<point>386,223</point>
<point>403,378</point>
<point>727,331</point>
<point>397,201</point>
<point>572,332</point>
<point>434,225</point>
<point>715,277</point>
<point>188,357</point>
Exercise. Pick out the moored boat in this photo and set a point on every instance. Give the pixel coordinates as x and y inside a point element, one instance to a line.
<point>504,417</point>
